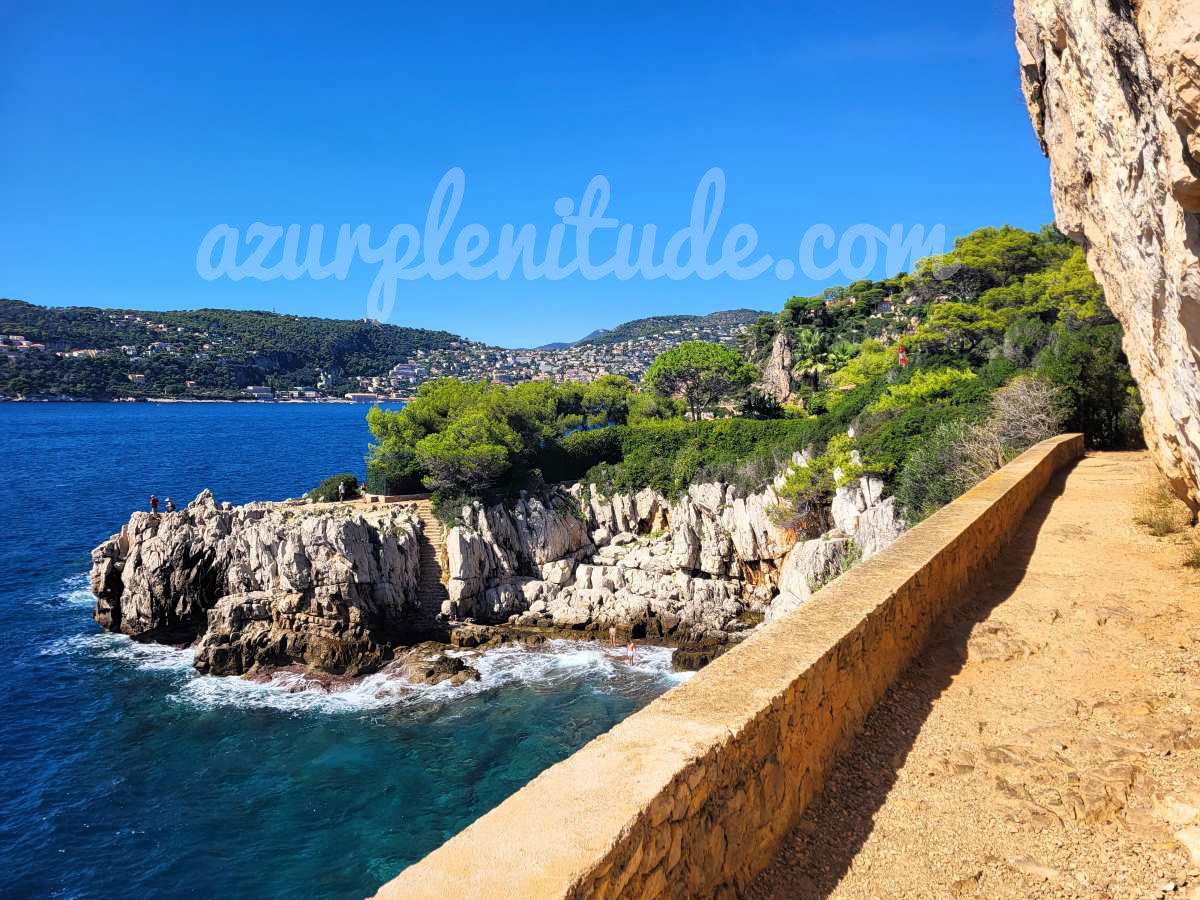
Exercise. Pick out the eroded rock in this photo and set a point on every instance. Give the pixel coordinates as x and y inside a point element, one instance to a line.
<point>1113,90</point>
<point>263,584</point>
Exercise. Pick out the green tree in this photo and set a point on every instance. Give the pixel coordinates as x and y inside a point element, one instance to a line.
<point>647,406</point>
<point>470,455</point>
<point>606,400</point>
<point>1101,399</point>
<point>703,373</point>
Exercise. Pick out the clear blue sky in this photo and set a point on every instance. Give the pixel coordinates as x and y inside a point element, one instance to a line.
<point>130,132</point>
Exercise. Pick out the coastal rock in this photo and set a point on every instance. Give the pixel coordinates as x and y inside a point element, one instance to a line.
<point>334,588</point>
<point>806,568</point>
<point>700,570</point>
<point>429,663</point>
<point>860,510</point>
<point>1113,90</point>
<point>263,584</point>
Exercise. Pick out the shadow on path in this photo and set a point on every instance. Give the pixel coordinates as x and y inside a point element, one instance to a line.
<point>817,853</point>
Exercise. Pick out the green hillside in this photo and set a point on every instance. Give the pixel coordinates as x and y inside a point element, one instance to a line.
<point>710,327</point>
<point>222,351</point>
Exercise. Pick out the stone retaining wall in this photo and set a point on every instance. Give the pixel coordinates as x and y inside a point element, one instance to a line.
<point>691,795</point>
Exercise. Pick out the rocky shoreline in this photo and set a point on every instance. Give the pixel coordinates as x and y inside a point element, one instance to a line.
<point>336,589</point>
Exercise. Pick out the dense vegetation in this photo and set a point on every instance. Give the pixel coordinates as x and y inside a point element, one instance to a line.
<point>704,326</point>
<point>221,350</point>
<point>930,380</point>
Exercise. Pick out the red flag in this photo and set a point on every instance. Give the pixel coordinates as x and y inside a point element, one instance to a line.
<point>903,357</point>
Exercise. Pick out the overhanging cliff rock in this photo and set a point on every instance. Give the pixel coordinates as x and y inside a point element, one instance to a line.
<point>1113,88</point>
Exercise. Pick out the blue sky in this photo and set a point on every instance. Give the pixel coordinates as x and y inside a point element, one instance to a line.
<point>130,132</point>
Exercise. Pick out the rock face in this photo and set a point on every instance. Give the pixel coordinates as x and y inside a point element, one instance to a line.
<point>1113,89</point>
<point>334,589</point>
<point>699,570</point>
<point>777,372</point>
<point>263,584</point>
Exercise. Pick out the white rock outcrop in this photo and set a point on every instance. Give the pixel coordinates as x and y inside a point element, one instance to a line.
<point>701,568</point>
<point>1113,89</point>
<point>335,588</point>
<point>264,584</point>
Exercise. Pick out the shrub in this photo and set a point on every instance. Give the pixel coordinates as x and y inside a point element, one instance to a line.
<point>757,405</point>
<point>934,474</point>
<point>1101,397</point>
<point>807,492</point>
<point>327,490</point>
<point>570,458</point>
<point>961,453</point>
<point>935,385</point>
<point>671,455</point>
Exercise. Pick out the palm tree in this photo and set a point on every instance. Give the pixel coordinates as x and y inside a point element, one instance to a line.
<point>809,356</point>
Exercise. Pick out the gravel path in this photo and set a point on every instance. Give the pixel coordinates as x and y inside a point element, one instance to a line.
<point>1047,742</point>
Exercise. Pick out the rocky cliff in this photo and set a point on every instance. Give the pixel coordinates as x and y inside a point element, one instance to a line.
<point>1113,88</point>
<point>264,584</point>
<point>334,587</point>
<point>700,569</point>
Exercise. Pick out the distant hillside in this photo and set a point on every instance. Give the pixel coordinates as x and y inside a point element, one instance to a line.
<point>104,354</point>
<point>220,350</point>
<point>713,326</point>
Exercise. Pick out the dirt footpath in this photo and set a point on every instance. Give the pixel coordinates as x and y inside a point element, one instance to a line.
<point>1047,742</point>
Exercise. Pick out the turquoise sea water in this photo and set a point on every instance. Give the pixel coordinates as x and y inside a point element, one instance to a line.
<point>122,773</point>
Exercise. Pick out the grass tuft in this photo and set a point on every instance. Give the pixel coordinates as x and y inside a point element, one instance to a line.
<point>1161,512</point>
<point>1191,559</point>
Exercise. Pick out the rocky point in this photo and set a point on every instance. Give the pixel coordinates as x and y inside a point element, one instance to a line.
<point>335,588</point>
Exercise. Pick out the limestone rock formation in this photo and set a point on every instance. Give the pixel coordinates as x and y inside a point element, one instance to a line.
<point>699,570</point>
<point>861,511</point>
<point>1113,88</point>
<point>263,584</point>
<point>806,568</point>
<point>497,550</point>
<point>777,371</point>
<point>335,589</point>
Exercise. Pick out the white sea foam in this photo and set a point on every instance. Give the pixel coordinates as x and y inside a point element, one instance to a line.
<point>549,666</point>
<point>152,657</point>
<point>552,665</point>
<point>76,591</point>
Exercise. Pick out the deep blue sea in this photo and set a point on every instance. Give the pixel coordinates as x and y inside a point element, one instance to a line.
<point>123,774</point>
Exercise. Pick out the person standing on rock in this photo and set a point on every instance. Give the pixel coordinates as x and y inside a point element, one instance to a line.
<point>612,635</point>
<point>153,503</point>
<point>170,505</point>
<point>342,491</point>
<point>632,651</point>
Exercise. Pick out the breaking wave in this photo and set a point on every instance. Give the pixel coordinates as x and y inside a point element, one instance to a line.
<point>76,591</point>
<point>555,665</point>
